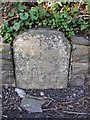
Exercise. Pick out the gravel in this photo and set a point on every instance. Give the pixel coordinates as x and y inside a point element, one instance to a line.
<point>59,103</point>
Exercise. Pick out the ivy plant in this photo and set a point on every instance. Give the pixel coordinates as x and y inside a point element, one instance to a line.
<point>58,16</point>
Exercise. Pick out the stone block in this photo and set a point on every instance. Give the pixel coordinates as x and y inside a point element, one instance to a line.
<point>41,59</point>
<point>7,77</point>
<point>5,48</point>
<point>80,62</point>
<point>5,51</point>
<point>7,65</point>
<point>80,40</point>
<point>6,56</point>
<point>80,53</point>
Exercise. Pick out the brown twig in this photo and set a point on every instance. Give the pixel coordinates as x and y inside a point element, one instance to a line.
<point>47,105</point>
<point>83,98</point>
<point>49,109</point>
<point>65,103</point>
<point>78,113</point>
<point>79,4</point>
<point>1,7</point>
<point>79,16</point>
<point>11,18</point>
<point>39,98</point>
<point>34,97</point>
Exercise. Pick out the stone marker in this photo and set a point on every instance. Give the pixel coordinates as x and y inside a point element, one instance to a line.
<point>41,59</point>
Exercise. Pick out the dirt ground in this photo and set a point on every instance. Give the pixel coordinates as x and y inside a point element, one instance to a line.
<point>73,102</point>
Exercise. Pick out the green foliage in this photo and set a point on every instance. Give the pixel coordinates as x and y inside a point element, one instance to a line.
<point>74,10</point>
<point>88,7</point>
<point>38,14</point>
<point>40,1</point>
<point>41,17</point>
<point>11,14</point>
<point>16,26</point>
<point>54,6</point>
<point>19,7</point>
<point>23,16</point>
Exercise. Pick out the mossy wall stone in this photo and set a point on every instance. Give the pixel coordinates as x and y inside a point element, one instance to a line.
<point>41,59</point>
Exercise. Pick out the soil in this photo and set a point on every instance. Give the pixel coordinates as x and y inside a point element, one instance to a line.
<point>73,102</point>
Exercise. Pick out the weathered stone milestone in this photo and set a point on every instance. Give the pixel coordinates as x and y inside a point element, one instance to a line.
<point>41,59</point>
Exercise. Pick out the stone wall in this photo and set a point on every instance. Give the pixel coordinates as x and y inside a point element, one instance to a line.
<point>80,62</point>
<point>7,70</point>
<point>78,72</point>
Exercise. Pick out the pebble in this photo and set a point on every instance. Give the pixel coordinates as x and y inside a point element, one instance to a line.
<point>20,92</point>
<point>32,105</point>
<point>41,93</point>
<point>74,94</point>
<point>0,96</point>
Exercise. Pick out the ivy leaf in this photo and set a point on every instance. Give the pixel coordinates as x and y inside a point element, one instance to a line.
<point>9,29</point>
<point>7,35</point>
<point>5,25</point>
<point>16,26</point>
<point>74,10</point>
<point>14,34</point>
<point>47,14</point>
<point>21,8</point>
<point>59,3</point>
<point>40,1</point>
<point>23,16</point>
<point>34,13</point>
<point>42,13</point>
<point>88,7</point>
<point>54,6</point>
<point>15,4</point>
<point>11,14</point>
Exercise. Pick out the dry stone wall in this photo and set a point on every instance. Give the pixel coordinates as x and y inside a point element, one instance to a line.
<point>80,72</point>
<point>43,62</point>
<point>7,70</point>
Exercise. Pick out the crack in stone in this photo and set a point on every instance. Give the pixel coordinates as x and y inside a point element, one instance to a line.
<point>70,65</point>
<point>13,61</point>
